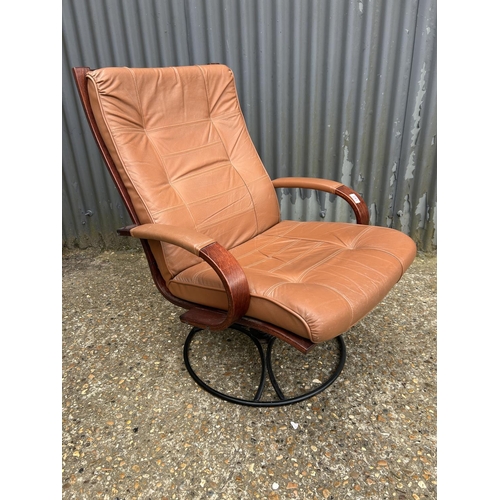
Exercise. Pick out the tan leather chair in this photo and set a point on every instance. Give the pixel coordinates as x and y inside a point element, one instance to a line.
<point>176,144</point>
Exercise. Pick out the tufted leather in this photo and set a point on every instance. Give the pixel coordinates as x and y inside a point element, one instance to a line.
<point>180,143</point>
<point>181,146</point>
<point>316,279</point>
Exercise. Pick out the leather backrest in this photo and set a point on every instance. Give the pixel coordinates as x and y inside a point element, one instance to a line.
<point>179,140</point>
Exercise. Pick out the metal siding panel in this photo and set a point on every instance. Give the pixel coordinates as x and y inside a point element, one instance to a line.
<point>415,201</point>
<point>328,89</point>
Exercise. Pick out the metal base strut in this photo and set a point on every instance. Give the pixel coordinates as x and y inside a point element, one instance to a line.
<point>259,338</point>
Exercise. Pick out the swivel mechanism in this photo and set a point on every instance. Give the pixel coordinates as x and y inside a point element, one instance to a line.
<point>264,344</point>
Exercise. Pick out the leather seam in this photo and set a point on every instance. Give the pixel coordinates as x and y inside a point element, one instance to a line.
<point>155,149</point>
<point>265,235</point>
<point>319,263</point>
<point>183,151</point>
<point>400,262</point>
<point>298,257</point>
<point>231,82</point>
<point>226,219</point>
<point>260,251</point>
<point>181,124</point>
<point>256,231</point>
<point>112,136</point>
<point>355,240</point>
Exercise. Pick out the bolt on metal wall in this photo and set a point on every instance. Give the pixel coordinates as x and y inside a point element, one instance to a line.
<point>344,90</point>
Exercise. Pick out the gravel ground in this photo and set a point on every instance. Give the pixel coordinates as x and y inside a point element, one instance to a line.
<point>136,426</point>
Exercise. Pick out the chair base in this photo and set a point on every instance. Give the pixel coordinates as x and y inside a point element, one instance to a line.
<point>261,339</point>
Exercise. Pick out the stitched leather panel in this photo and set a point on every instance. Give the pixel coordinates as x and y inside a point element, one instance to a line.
<point>180,143</point>
<point>316,279</point>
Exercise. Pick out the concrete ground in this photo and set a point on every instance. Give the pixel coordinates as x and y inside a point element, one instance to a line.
<point>136,426</point>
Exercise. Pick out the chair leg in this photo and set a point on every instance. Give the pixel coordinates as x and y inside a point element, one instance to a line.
<point>260,339</point>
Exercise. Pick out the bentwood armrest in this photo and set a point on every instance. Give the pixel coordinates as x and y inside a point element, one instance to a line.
<point>187,238</point>
<point>224,264</point>
<point>352,197</point>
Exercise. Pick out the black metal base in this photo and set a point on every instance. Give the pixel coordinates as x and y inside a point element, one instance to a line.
<point>260,338</point>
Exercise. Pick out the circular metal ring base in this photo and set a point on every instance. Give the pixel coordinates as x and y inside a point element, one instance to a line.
<point>260,338</point>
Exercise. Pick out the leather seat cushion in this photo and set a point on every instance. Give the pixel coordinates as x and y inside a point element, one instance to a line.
<point>315,279</point>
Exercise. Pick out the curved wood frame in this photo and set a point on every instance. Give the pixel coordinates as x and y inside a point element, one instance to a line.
<point>222,261</point>
<point>354,199</point>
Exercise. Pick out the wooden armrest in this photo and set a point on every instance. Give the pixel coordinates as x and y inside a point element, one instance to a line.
<point>189,239</point>
<point>222,262</point>
<point>354,199</point>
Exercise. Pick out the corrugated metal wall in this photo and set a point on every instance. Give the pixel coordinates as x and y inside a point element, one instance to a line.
<point>341,89</point>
